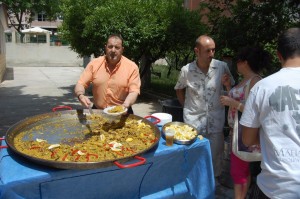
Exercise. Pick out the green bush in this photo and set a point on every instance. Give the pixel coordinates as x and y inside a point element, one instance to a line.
<point>163,84</point>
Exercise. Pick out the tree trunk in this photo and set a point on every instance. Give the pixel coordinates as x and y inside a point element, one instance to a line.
<point>21,37</point>
<point>145,72</point>
<point>86,60</point>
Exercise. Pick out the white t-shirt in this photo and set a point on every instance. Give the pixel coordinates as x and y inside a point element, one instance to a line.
<point>202,107</point>
<point>273,105</point>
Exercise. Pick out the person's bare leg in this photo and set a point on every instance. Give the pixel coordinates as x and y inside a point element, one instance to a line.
<point>237,191</point>
<point>245,187</point>
<point>240,190</point>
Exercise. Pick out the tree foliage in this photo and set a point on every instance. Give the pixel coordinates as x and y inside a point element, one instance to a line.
<point>185,27</point>
<point>235,24</point>
<point>150,28</point>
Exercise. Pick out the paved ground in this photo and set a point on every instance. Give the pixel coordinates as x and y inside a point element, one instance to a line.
<point>28,91</point>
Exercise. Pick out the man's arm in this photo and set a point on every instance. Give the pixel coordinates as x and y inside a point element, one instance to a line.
<point>79,91</point>
<point>130,99</point>
<point>181,96</point>
<point>250,136</point>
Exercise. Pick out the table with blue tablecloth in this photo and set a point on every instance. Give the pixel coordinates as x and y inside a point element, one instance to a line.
<point>179,171</point>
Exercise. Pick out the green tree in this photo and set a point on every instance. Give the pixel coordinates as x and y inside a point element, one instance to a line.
<point>74,28</point>
<point>146,26</point>
<point>183,30</point>
<point>235,24</point>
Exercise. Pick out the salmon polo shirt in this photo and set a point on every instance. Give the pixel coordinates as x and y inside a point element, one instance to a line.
<point>111,88</point>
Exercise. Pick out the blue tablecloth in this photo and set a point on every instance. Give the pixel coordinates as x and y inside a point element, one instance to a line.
<point>180,171</point>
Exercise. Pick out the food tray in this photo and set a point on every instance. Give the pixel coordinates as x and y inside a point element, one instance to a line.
<point>177,141</point>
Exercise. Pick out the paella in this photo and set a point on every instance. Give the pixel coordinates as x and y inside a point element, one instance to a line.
<point>102,141</point>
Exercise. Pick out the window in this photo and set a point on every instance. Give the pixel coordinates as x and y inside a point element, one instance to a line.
<point>42,17</point>
<point>8,37</point>
<point>2,47</point>
<point>37,38</point>
<point>41,39</point>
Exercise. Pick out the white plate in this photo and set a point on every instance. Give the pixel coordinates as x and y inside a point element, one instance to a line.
<point>106,111</point>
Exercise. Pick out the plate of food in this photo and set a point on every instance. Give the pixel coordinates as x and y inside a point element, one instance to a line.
<point>184,133</point>
<point>115,110</point>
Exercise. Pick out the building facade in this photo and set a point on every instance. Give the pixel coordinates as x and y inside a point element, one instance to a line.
<point>3,27</point>
<point>193,4</point>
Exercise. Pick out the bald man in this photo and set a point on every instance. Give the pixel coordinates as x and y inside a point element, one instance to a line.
<point>198,89</point>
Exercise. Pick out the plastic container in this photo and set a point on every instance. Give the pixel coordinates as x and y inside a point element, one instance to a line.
<point>164,118</point>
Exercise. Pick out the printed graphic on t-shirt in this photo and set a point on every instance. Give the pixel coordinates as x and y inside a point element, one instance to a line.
<point>286,98</point>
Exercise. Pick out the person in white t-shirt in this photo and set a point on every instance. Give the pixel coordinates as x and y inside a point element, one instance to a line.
<point>271,117</point>
<point>198,89</point>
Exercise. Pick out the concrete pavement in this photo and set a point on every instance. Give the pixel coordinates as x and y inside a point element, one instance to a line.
<point>28,91</point>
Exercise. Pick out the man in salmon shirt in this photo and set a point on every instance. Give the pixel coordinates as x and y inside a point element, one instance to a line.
<point>115,78</point>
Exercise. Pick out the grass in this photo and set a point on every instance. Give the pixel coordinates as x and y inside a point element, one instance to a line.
<point>164,84</point>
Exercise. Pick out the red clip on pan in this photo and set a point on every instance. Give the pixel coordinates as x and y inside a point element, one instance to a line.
<point>61,107</point>
<point>142,161</point>
<point>3,147</point>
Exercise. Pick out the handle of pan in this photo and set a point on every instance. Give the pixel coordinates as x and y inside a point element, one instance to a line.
<point>3,147</point>
<point>61,107</point>
<point>125,166</point>
<point>157,120</point>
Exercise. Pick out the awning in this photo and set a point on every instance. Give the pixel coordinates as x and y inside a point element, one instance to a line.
<point>35,30</point>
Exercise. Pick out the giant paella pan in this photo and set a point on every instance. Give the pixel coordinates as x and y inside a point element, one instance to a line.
<point>76,139</point>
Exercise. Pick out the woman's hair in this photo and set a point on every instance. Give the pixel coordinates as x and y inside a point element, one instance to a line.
<point>256,57</point>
